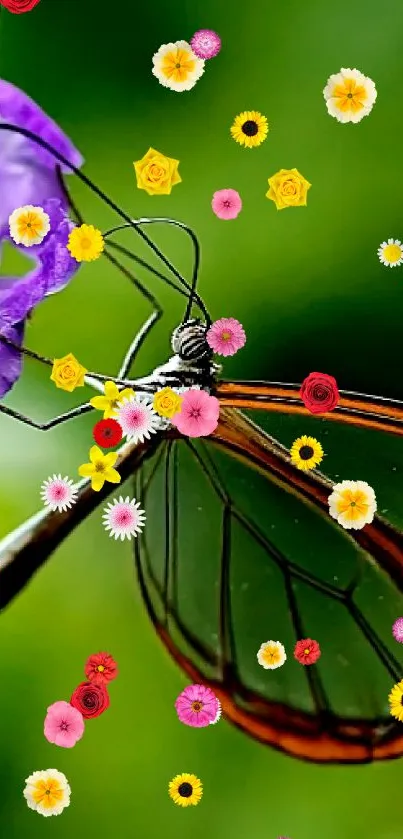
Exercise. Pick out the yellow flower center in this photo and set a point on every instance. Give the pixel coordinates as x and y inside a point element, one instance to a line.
<point>226,336</point>
<point>353,504</point>
<point>30,223</point>
<point>351,96</point>
<point>197,706</point>
<point>289,188</point>
<point>101,668</point>
<point>307,651</point>
<point>271,655</point>
<point>177,65</point>
<point>392,253</point>
<point>47,792</point>
<point>99,466</point>
<point>85,243</point>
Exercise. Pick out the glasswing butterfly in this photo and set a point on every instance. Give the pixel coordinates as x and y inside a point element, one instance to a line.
<point>238,492</point>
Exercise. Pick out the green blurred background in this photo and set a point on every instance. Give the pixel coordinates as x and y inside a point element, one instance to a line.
<point>311,294</point>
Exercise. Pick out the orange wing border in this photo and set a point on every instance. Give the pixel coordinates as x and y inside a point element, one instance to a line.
<point>358,409</point>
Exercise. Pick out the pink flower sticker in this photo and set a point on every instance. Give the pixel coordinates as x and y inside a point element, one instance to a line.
<point>226,204</point>
<point>64,725</point>
<point>226,336</point>
<point>198,416</point>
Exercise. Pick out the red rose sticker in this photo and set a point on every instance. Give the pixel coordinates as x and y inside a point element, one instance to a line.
<point>17,7</point>
<point>90,699</point>
<point>319,393</point>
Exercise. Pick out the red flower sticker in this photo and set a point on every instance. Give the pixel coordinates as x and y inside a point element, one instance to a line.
<point>107,433</point>
<point>100,668</point>
<point>319,393</point>
<point>91,700</point>
<point>17,7</point>
<point>307,651</point>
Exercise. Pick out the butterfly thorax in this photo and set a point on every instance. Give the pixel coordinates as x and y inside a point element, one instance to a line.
<point>192,363</point>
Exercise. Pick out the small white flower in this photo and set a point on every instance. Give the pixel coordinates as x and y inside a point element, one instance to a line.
<point>137,418</point>
<point>124,518</point>
<point>391,253</point>
<point>48,792</point>
<point>218,715</point>
<point>177,67</point>
<point>349,95</point>
<point>271,655</point>
<point>58,493</point>
<point>352,504</point>
<point>29,225</point>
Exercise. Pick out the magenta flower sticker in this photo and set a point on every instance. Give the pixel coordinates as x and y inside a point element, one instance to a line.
<point>226,204</point>
<point>397,630</point>
<point>198,706</point>
<point>206,43</point>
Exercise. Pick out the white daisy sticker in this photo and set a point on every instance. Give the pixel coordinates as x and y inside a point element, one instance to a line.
<point>123,518</point>
<point>58,493</point>
<point>391,253</point>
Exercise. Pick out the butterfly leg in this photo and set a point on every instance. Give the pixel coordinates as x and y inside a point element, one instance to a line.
<point>45,426</point>
<point>91,379</point>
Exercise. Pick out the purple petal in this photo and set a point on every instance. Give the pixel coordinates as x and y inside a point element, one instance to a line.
<point>57,265</point>
<point>20,297</point>
<point>18,108</point>
<point>57,214</point>
<point>10,360</point>
<point>27,172</point>
<point>55,269</point>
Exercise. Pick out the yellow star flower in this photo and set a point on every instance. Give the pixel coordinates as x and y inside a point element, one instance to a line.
<point>112,399</point>
<point>100,469</point>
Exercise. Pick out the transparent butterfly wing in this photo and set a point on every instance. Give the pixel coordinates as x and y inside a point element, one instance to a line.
<point>234,559</point>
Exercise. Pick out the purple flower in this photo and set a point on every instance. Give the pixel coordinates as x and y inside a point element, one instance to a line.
<point>28,175</point>
<point>20,295</point>
<point>10,360</point>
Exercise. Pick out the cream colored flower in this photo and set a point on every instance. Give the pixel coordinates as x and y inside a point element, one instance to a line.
<point>352,504</point>
<point>349,95</point>
<point>47,792</point>
<point>177,67</point>
<point>29,225</point>
<point>271,655</point>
